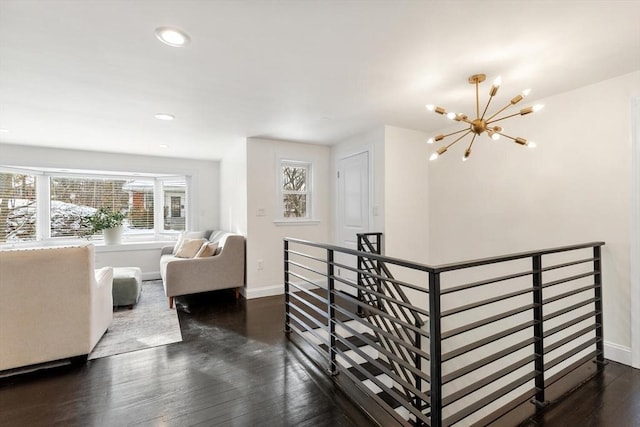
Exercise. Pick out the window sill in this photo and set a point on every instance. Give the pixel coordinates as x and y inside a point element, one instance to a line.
<point>286,222</point>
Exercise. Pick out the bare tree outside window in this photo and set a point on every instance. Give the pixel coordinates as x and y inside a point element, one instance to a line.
<point>17,207</point>
<point>295,190</point>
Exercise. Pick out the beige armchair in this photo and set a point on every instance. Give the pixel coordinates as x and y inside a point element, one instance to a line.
<point>56,305</point>
<point>226,269</point>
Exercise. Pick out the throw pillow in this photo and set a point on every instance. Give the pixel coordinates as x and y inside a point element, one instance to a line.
<point>185,235</point>
<point>207,250</point>
<point>189,248</point>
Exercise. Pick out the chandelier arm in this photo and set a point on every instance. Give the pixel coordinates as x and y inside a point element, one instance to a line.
<point>468,132</point>
<point>503,118</point>
<point>499,111</point>
<point>453,133</point>
<point>471,143</point>
<point>486,107</point>
<point>477,100</point>
<point>510,137</point>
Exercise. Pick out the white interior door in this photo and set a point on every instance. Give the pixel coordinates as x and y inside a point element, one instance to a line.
<point>353,210</point>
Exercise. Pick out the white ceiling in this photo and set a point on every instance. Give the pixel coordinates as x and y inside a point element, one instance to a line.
<point>91,74</point>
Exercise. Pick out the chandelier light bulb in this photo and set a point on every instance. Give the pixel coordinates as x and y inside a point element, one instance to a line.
<point>430,107</point>
<point>526,92</point>
<point>451,115</point>
<point>430,141</point>
<point>495,136</point>
<point>434,156</point>
<point>531,144</point>
<point>498,81</point>
<point>537,107</point>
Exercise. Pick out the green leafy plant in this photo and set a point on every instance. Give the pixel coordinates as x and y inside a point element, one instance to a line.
<point>102,219</point>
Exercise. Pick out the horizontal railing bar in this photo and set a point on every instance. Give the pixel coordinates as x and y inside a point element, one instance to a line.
<point>392,393</point>
<point>481,403</point>
<point>503,297</point>
<point>380,277</point>
<point>569,338</point>
<point>489,359</point>
<point>375,310</point>
<point>484,322</point>
<point>308,303</point>
<point>305,255</point>
<point>305,279</point>
<point>570,323</point>
<point>568,294</point>
<point>484,282</point>
<point>389,260</point>
<point>570,353</point>
<point>508,407</point>
<point>566,371</point>
<point>383,296</point>
<point>444,267</point>
<point>568,279</point>
<point>487,380</point>
<point>568,264</point>
<point>382,332</point>
<point>318,323</point>
<point>302,335</point>
<point>494,260</point>
<point>395,377</point>
<point>320,273</point>
<point>487,340</point>
<point>568,309</point>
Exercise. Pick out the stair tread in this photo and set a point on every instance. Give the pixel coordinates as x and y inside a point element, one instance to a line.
<point>354,340</point>
<point>371,368</point>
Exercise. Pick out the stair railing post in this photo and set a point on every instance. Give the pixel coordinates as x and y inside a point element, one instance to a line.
<point>435,350</point>
<point>417,402</point>
<point>597,269</point>
<point>331,312</point>
<point>287,300</point>
<point>360,309</point>
<point>538,332</point>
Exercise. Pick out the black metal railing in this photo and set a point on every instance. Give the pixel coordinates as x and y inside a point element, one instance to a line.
<point>492,333</point>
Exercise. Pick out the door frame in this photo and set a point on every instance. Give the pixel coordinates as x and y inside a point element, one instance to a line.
<point>635,233</point>
<point>370,184</point>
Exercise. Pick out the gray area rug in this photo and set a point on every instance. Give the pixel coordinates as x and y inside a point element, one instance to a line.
<point>149,324</point>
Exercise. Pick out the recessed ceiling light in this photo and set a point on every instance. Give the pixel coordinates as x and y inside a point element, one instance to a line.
<point>172,36</point>
<point>165,116</point>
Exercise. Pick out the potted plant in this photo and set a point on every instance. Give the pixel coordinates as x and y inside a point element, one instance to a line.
<point>107,221</point>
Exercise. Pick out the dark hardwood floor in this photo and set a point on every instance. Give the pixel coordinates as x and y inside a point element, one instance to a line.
<point>236,368</point>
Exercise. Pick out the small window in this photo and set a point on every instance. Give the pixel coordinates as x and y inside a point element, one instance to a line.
<point>295,189</point>
<point>17,207</point>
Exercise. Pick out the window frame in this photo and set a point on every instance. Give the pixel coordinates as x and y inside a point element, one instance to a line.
<point>43,203</point>
<point>309,217</point>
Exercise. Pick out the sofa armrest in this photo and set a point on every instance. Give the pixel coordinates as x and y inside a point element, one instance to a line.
<point>166,250</point>
<point>101,304</point>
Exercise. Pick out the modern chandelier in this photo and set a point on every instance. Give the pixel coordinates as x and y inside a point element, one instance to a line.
<point>480,124</point>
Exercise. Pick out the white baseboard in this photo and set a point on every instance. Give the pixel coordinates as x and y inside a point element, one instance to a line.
<point>151,275</point>
<point>269,291</point>
<point>617,353</point>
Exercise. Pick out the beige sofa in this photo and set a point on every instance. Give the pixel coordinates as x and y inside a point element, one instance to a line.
<point>55,304</point>
<point>226,269</point>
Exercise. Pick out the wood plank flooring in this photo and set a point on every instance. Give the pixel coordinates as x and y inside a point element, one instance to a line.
<point>236,368</point>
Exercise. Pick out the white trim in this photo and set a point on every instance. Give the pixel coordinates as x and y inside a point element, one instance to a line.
<point>310,206</point>
<point>634,273</point>
<point>269,291</point>
<point>151,275</point>
<point>617,353</point>
<point>296,222</point>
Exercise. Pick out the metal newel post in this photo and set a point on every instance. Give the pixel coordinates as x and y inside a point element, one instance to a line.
<point>538,332</point>
<point>331,311</point>
<point>435,351</point>
<point>287,309</point>
<point>417,403</point>
<point>597,268</point>
<point>360,309</point>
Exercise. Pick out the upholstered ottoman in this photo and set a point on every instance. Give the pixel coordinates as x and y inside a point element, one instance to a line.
<point>127,285</point>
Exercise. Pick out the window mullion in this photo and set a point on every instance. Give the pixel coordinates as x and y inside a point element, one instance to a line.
<point>43,207</point>
<point>158,207</point>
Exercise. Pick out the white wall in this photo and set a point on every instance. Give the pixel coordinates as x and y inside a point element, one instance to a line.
<point>574,187</point>
<point>264,236</point>
<point>233,190</point>
<point>204,190</point>
<point>373,143</point>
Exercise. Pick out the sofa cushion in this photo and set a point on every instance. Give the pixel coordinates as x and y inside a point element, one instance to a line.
<point>190,247</point>
<point>208,249</point>
<point>188,235</point>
